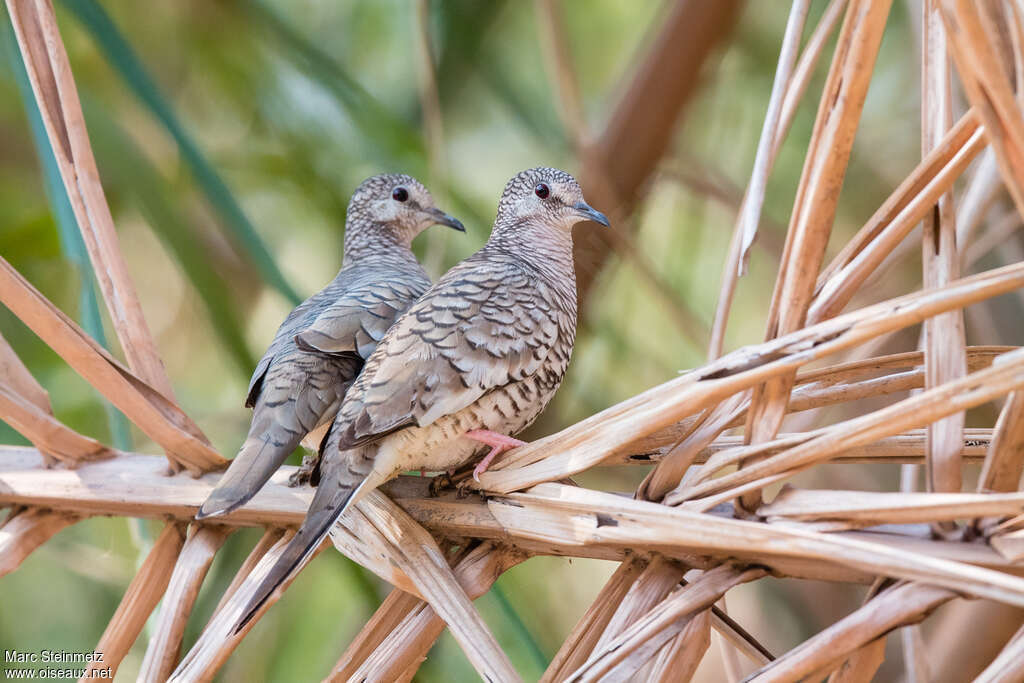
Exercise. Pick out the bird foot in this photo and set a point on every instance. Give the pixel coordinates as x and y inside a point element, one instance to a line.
<point>304,474</point>
<point>438,484</point>
<point>499,443</point>
<point>464,488</point>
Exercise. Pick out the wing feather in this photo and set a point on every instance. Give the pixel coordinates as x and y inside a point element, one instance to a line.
<point>357,321</point>
<point>478,329</point>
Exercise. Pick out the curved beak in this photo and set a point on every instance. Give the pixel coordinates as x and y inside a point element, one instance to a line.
<point>441,218</point>
<point>589,213</point>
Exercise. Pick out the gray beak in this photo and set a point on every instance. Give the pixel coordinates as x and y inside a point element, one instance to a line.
<point>589,213</point>
<point>441,218</point>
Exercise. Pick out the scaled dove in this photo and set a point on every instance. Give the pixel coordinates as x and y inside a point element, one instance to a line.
<point>321,346</point>
<point>476,358</point>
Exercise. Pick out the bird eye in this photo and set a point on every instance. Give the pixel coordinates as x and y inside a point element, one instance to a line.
<point>400,194</point>
<point>542,190</point>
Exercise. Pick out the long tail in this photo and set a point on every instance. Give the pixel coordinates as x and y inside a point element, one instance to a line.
<point>330,501</point>
<point>263,452</point>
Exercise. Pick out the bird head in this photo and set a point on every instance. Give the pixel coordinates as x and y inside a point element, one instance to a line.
<point>546,196</point>
<point>398,203</point>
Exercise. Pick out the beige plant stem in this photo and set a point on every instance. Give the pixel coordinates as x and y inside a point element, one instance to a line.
<point>584,636</point>
<point>896,217</point>
<point>151,411</point>
<point>25,531</point>
<point>141,598</point>
<point>749,216</point>
<point>904,604</point>
<point>592,440</point>
<point>25,405</point>
<point>816,200</point>
<point>677,538</point>
<point>1009,665</point>
<point>974,389</point>
<point>660,624</point>
<point>988,87</point>
<point>49,72</point>
<point>189,571</point>
<point>396,645</point>
<point>943,335</point>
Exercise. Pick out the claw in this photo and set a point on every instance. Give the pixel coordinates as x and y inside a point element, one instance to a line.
<point>499,443</point>
<point>304,474</point>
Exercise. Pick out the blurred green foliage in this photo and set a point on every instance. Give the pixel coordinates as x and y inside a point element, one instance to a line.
<point>229,135</point>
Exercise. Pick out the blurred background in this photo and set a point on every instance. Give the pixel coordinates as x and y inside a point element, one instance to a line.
<point>229,136</point>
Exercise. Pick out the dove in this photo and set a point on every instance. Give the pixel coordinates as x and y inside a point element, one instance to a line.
<point>473,361</point>
<point>321,346</point>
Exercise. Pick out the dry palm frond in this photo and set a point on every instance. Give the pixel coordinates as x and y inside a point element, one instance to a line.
<point>156,415</point>
<point>678,540</point>
<point>50,75</point>
<point>25,405</point>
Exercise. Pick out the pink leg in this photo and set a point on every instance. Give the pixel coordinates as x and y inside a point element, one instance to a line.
<point>499,443</point>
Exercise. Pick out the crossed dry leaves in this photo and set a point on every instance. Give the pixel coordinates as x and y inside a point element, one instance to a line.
<point>678,542</point>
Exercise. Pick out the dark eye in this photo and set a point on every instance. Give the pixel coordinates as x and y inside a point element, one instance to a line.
<point>542,190</point>
<point>400,194</point>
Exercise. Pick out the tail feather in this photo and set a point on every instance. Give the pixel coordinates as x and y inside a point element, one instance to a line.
<point>255,463</point>
<point>326,508</point>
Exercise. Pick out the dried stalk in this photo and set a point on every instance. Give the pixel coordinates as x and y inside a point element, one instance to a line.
<point>816,200</point>
<point>739,638</point>
<point>897,216</point>
<point>25,405</point>
<point>588,517</point>
<point>267,541</point>
<point>904,604</point>
<point>1010,545</point>
<point>16,378</point>
<point>189,571</point>
<point>218,641</point>
<point>27,530</point>
<point>155,415</point>
<point>988,87</point>
<point>140,599</point>
<point>977,388</point>
<point>55,440</point>
<point>398,607</point>
<point>393,646</point>
<point>660,625</point>
<point>1009,665</point>
<point>749,217</point>
<point>999,231</point>
<point>382,537</point>
<point>145,492</point>
<point>867,508</point>
<point>816,389</point>
<point>679,658</point>
<point>387,527</point>
<point>806,66</point>
<point>942,336</point>
<point>656,581</point>
<point>49,72</point>
<point>642,624</point>
<point>915,656</point>
<point>592,440</point>
<point>862,664</point>
<point>983,187</point>
<point>1004,463</point>
<point>584,636</point>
